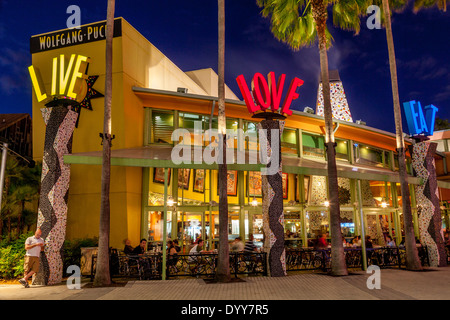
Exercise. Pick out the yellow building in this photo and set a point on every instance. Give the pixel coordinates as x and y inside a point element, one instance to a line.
<point>151,98</point>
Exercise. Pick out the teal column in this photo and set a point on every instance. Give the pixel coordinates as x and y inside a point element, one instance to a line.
<point>164,251</point>
<point>144,214</point>
<point>362,227</point>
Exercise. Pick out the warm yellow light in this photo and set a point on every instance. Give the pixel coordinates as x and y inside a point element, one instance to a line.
<point>170,202</point>
<point>384,204</point>
<point>78,73</point>
<point>37,84</point>
<point>327,203</point>
<point>64,74</point>
<point>254,202</point>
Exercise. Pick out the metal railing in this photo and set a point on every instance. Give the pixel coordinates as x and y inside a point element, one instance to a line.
<point>384,257</point>
<point>149,266</point>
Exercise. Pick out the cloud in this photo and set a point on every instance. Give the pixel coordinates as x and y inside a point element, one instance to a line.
<point>425,68</point>
<point>13,70</point>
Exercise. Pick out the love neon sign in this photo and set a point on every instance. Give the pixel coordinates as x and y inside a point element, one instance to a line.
<point>267,94</point>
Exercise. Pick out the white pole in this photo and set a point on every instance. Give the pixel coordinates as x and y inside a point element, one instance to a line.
<point>2,171</point>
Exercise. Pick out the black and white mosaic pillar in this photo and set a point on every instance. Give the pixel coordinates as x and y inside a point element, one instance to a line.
<point>52,214</point>
<point>272,206</point>
<point>428,206</point>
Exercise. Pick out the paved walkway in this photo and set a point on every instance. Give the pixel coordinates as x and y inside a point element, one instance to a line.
<point>396,284</point>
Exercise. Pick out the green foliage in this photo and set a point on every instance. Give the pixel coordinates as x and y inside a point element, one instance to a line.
<point>11,257</point>
<point>72,251</point>
<point>12,254</point>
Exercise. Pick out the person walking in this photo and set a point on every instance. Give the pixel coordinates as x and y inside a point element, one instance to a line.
<point>34,245</point>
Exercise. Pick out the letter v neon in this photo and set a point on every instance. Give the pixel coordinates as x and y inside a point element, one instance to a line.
<point>64,74</point>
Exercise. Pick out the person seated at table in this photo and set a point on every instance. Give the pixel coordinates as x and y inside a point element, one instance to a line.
<point>237,245</point>
<point>390,242</point>
<point>321,242</point>
<point>172,256</point>
<point>140,249</point>
<point>197,249</point>
<point>369,243</point>
<point>249,245</point>
<point>128,249</point>
<point>175,244</point>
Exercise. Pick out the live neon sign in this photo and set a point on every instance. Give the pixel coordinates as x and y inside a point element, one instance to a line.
<point>420,120</point>
<point>67,79</point>
<point>267,93</point>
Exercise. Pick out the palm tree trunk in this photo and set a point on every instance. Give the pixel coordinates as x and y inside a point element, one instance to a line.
<point>223,267</point>
<point>412,256</point>
<point>102,274</point>
<point>338,265</point>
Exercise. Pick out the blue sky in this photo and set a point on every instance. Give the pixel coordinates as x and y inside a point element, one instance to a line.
<point>186,32</point>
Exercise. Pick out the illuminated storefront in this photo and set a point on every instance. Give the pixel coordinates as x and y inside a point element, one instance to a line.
<point>152,97</point>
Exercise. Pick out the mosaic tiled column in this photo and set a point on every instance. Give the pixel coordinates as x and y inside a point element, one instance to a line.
<point>427,199</point>
<point>272,206</point>
<point>52,213</point>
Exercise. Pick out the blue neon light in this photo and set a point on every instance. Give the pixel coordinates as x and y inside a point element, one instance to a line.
<point>417,121</point>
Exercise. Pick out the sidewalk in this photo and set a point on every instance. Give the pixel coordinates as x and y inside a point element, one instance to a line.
<point>433,284</point>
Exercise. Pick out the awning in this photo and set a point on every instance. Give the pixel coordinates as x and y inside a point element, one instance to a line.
<point>161,157</point>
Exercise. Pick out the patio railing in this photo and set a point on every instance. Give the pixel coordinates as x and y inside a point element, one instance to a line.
<point>204,265</point>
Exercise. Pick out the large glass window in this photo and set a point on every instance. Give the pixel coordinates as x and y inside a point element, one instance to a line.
<point>162,126</point>
<point>289,141</point>
<point>341,149</point>
<point>370,156</point>
<point>313,145</point>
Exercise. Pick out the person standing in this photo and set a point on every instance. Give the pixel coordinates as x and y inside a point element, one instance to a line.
<point>34,245</point>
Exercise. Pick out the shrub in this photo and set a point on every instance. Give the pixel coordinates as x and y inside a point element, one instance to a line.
<point>11,257</point>
<point>12,254</point>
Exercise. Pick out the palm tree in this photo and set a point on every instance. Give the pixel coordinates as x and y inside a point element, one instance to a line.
<point>223,267</point>
<point>300,23</point>
<point>102,274</point>
<point>412,256</point>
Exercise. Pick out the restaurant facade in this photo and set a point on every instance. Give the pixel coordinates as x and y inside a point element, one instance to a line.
<point>151,195</point>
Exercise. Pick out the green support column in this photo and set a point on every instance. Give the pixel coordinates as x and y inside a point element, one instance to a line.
<point>144,203</point>
<point>397,226</point>
<point>363,233</point>
<point>414,210</point>
<point>302,199</point>
<point>174,230</point>
<point>241,194</point>
<point>353,199</point>
<point>164,251</point>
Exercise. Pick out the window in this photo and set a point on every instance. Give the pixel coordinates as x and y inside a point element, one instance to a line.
<point>313,145</point>
<point>370,156</point>
<point>162,126</point>
<point>341,149</point>
<point>289,141</point>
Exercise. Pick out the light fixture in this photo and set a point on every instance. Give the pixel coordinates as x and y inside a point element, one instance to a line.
<point>254,202</point>
<point>170,202</point>
<point>326,203</point>
<point>384,204</point>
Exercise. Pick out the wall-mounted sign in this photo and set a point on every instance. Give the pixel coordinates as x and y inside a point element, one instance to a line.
<point>267,94</point>
<point>420,120</point>
<point>70,37</point>
<point>68,79</point>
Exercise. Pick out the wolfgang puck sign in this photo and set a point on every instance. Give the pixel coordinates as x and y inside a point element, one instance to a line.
<point>267,93</point>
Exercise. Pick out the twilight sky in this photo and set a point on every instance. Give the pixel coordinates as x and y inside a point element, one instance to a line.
<point>186,32</point>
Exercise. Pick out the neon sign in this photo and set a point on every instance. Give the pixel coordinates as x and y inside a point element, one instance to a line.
<point>68,82</point>
<point>267,94</point>
<point>420,120</point>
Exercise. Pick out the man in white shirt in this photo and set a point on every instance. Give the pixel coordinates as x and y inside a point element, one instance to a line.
<point>34,245</point>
